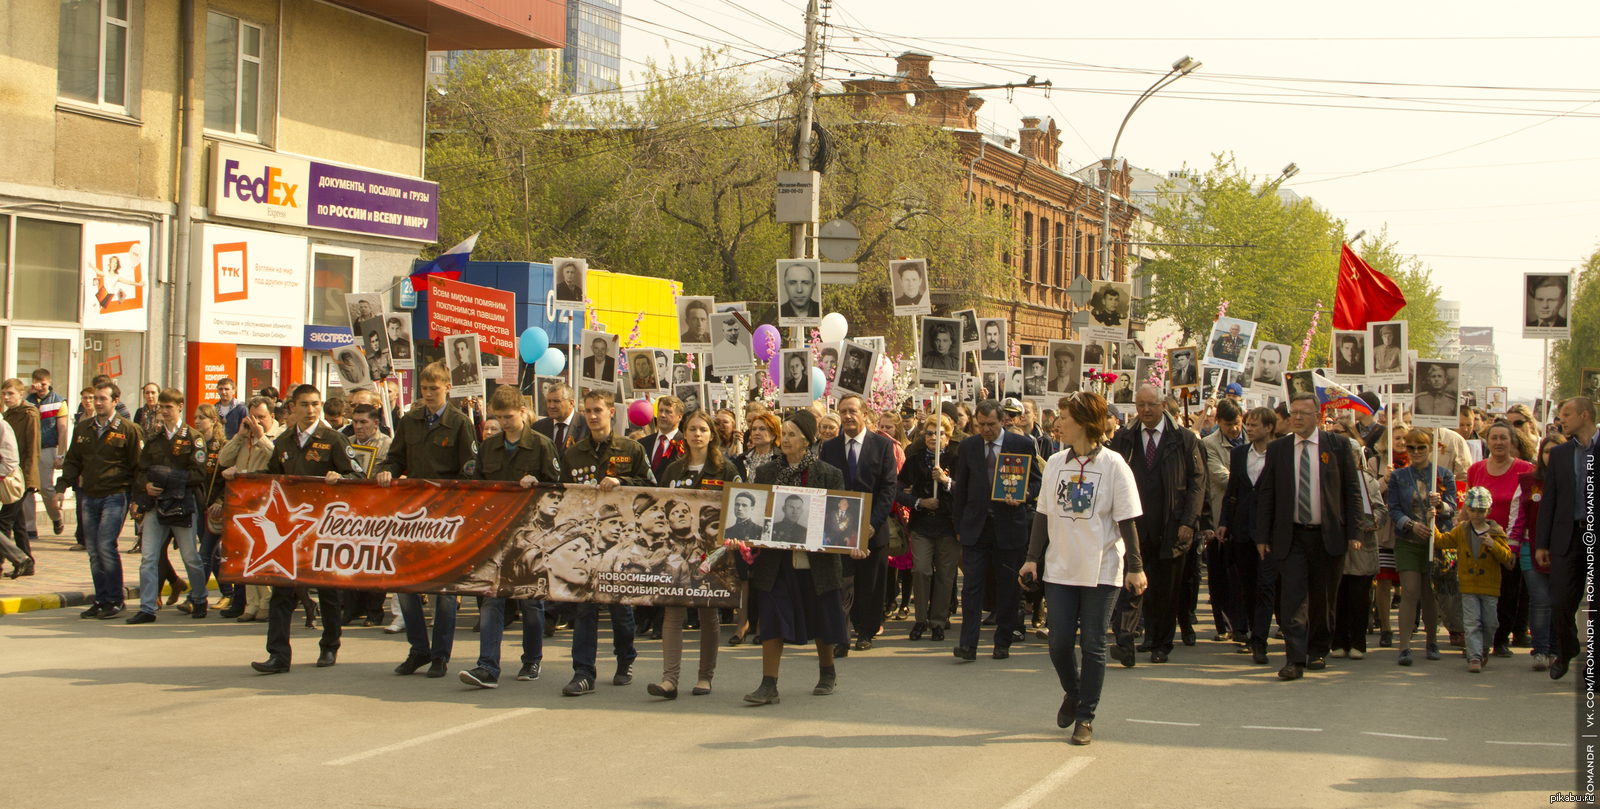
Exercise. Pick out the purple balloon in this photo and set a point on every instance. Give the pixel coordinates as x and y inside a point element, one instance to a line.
<point>775,372</point>
<point>765,350</point>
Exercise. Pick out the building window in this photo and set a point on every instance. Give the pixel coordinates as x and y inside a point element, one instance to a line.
<point>233,75</point>
<point>1044,250</point>
<point>1027,246</point>
<point>92,52</point>
<point>333,273</point>
<point>48,256</point>
<point>1077,256</point>
<point>1060,250</point>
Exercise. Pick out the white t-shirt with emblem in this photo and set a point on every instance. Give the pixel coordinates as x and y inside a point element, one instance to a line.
<point>1084,500</point>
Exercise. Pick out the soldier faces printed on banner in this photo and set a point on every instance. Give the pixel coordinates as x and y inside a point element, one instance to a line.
<point>799,292</point>
<point>795,518</point>
<point>571,276</point>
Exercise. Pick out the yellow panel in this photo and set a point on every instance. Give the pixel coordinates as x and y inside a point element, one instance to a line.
<point>619,298</point>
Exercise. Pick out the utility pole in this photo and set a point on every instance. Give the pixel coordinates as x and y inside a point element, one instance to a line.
<point>797,232</point>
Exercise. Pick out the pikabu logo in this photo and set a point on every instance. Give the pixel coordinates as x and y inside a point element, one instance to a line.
<point>269,189</point>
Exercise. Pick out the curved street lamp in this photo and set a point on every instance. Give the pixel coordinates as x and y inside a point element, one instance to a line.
<point>1180,68</point>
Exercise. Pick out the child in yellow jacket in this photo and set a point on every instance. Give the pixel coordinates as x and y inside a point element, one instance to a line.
<point>1481,551</point>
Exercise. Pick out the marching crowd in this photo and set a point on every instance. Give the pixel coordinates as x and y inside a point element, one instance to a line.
<point>1315,522</point>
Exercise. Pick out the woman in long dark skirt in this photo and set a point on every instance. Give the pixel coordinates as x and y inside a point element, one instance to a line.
<point>801,600</point>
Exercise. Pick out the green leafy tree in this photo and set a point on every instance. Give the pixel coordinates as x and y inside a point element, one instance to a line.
<point>1568,358</point>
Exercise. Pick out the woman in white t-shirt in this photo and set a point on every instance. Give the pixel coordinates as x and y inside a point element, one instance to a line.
<point>1085,548</point>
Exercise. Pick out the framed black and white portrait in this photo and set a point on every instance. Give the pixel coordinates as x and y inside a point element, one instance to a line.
<point>598,366</point>
<point>1036,377</point>
<point>969,328</point>
<point>1272,361</point>
<point>732,352</point>
<point>362,306</point>
<point>1386,352</point>
<point>694,324</point>
<point>992,343</point>
<point>461,357</point>
<point>856,365</point>
<point>1123,389</point>
<point>799,285</point>
<point>374,342</point>
<point>693,395</point>
<point>1437,400</point>
<point>1298,382</point>
<point>1143,368</point>
<point>1108,311</point>
<point>794,385</point>
<point>571,277</point>
<point>642,375</point>
<point>908,286</point>
<point>397,327</point>
<point>940,357</point>
<point>350,368</point>
<point>1229,342</point>
<point>1065,373</point>
<point>1547,306</point>
<point>1349,357</point>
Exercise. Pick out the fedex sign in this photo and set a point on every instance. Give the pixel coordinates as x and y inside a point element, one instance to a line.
<point>258,185</point>
<point>268,188</point>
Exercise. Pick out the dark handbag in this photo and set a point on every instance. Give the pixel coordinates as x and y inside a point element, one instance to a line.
<point>899,537</point>
<point>175,507</point>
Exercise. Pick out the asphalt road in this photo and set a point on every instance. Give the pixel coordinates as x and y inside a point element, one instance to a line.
<point>170,713</point>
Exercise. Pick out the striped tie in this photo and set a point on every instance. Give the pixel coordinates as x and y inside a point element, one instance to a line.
<point>1304,496</point>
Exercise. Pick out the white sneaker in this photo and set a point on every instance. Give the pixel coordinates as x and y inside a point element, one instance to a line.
<point>1357,654</point>
<point>1541,662</point>
<point>397,627</point>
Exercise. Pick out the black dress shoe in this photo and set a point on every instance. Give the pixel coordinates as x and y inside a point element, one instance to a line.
<point>917,629</point>
<point>1558,668</point>
<point>966,653</point>
<point>1258,652</point>
<point>1317,663</point>
<point>199,611</point>
<point>863,644</point>
<point>1002,652</point>
<point>1064,714</point>
<point>327,658</point>
<point>411,664</point>
<point>274,665</point>
<point>25,570</point>
<point>1122,655</point>
<point>1158,656</point>
<point>1188,637</point>
<point>231,613</point>
<point>1292,671</point>
<point>841,650</point>
<point>142,617</point>
<point>989,619</point>
<point>438,669</point>
<point>938,633</point>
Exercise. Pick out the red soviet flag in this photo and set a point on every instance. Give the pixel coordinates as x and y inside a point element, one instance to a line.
<point>1363,295</point>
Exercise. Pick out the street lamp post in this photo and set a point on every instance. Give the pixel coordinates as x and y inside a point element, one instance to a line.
<point>1180,68</point>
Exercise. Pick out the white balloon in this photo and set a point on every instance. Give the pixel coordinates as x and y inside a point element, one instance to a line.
<point>834,327</point>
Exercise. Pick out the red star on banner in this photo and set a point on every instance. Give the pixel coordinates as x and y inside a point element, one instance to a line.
<point>273,531</point>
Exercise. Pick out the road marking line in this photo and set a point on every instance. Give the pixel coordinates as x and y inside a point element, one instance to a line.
<point>1533,744</point>
<point>430,737</point>
<point>1159,722</point>
<point>1403,736</point>
<point>1049,783</point>
<point>1273,727</point>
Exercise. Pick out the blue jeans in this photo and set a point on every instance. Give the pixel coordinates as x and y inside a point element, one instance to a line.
<point>155,544</point>
<point>101,519</point>
<point>211,555</point>
<point>1079,616</point>
<point>586,637</point>
<point>1479,617</point>
<point>493,613</point>
<point>1539,610</point>
<point>444,625</point>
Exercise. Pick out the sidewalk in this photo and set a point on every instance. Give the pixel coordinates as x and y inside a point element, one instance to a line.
<point>61,575</point>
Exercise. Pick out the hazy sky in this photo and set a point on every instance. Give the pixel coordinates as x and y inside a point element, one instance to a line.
<point>1427,140</point>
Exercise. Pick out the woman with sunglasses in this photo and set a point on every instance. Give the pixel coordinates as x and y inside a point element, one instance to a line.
<point>1414,508</point>
<point>1524,524</point>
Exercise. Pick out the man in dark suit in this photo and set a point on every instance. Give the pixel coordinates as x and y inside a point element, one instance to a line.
<point>1308,504</point>
<point>569,287</point>
<point>867,460</point>
<point>1547,296</point>
<point>1252,579</point>
<point>561,423</point>
<point>1559,540</point>
<point>1170,471</point>
<point>993,532</point>
<point>599,365</point>
<point>662,446</point>
<point>798,284</point>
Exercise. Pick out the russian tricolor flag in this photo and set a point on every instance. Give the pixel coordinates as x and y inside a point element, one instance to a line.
<point>448,265</point>
<point>1332,394</point>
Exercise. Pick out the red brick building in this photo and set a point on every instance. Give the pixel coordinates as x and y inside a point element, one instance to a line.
<point>1055,217</point>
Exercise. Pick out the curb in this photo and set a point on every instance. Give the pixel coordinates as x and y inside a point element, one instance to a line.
<point>11,605</point>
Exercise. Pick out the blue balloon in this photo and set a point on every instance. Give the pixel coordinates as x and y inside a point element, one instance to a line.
<point>818,382</point>
<point>551,363</point>
<point>533,343</point>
